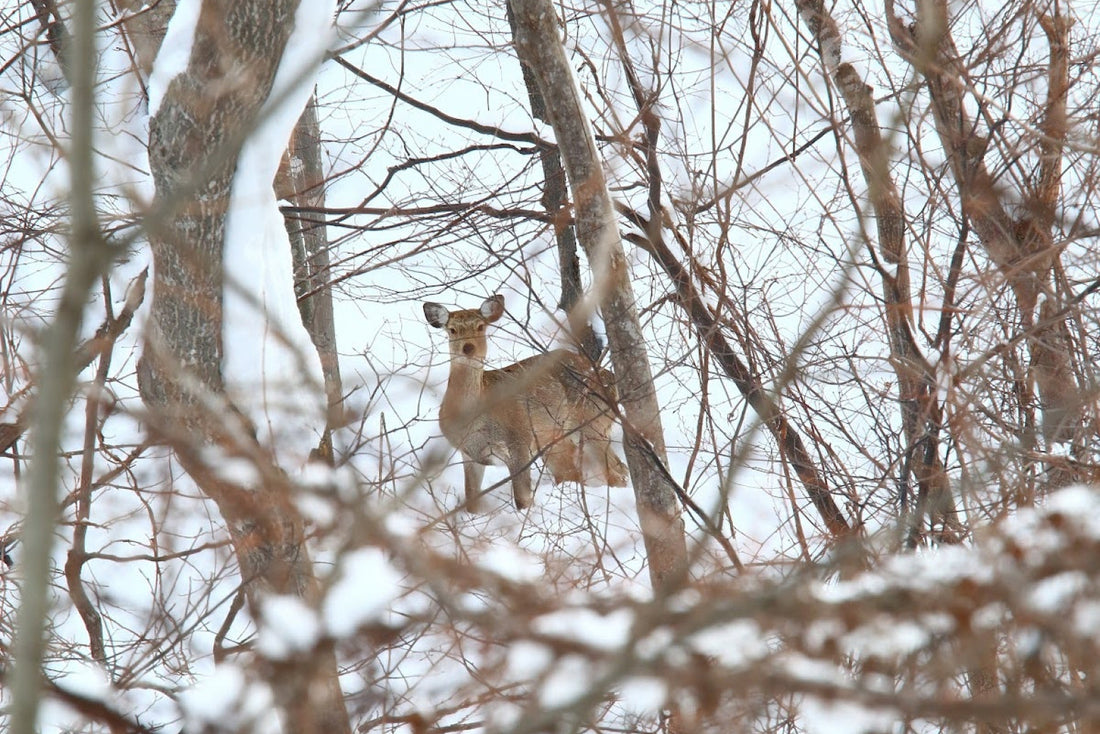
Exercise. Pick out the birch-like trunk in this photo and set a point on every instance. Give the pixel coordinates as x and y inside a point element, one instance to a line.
<point>539,46</point>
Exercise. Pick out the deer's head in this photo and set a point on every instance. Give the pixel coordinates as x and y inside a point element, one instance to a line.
<point>466,329</point>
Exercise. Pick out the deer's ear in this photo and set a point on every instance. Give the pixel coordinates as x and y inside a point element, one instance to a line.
<point>493,308</point>
<point>437,315</point>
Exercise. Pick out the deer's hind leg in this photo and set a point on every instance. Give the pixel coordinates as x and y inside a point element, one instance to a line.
<point>599,456</point>
<point>563,459</point>
<point>615,471</point>
<point>601,462</point>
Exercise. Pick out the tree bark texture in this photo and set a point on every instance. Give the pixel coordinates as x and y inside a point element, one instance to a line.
<point>194,140</point>
<point>538,44</point>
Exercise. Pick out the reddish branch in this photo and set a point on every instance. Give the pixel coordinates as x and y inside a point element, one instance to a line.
<point>921,412</point>
<point>710,332</point>
<point>529,138</point>
<point>98,345</point>
<point>706,326</point>
<point>1022,249</point>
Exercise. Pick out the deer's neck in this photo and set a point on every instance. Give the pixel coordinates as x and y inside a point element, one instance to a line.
<point>463,395</point>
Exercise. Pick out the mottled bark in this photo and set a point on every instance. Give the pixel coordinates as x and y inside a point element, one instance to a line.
<point>921,412</point>
<point>538,44</point>
<point>555,201</point>
<point>301,181</point>
<point>194,141</point>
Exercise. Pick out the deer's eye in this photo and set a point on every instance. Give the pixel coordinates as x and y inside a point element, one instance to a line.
<point>481,327</point>
<point>451,330</point>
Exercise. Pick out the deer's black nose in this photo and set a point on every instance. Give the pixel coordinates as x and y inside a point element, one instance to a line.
<point>467,349</point>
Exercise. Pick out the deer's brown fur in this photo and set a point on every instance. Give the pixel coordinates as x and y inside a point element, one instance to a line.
<point>555,406</point>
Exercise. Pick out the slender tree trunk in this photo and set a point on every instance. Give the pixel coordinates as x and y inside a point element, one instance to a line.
<point>921,413</point>
<point>301,181</point>
<point>194,141</point>
<point>89,258</point>
<point>555,201</point>
<point>1022,249</point>
<point>711,334</point>
<point>539,46</point>
<point>540,50</point>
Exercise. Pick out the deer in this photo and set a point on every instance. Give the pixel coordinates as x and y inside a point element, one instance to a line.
<point>557,406</point>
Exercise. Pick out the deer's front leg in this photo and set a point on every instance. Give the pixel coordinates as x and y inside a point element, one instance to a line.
<point>519,465</point>
<point>474,473</point>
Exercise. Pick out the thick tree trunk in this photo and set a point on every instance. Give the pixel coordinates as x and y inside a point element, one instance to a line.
<point>194,141</point>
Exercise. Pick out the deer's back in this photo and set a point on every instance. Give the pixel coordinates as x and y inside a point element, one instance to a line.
<point>562,386</point>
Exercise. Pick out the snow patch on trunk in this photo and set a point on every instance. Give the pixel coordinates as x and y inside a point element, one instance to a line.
<point>272,370</point>
<point>175,51</point>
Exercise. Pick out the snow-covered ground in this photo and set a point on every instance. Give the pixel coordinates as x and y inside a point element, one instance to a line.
<point>554,602</point>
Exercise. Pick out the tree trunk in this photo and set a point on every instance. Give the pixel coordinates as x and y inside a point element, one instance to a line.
<point>921,413</point>
<point>301,181</point>
<point>539,46</point>
<point>710,332</point>
<point>194,141</point>
<point>540,50</point>
<point>555,201</point>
